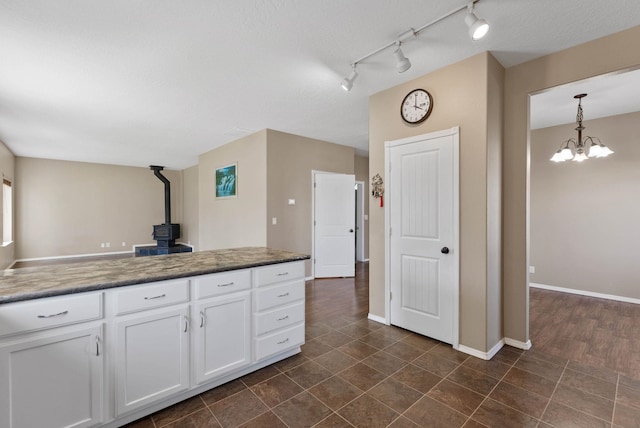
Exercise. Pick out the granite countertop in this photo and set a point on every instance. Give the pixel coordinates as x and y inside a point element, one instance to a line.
<point>47,281</point>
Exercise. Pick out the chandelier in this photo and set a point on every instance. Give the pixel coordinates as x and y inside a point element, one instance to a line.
<point>576,149</point>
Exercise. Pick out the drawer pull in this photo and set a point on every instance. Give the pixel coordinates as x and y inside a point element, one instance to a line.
<point>155,297</point>
<point>283,295</point>
<point>282,342</point>
<point>201,319</point>
<point>186,324</point>
<point>225,285</point>
<point>54,315</point>
<point>283,274</point>
<point>283,318</point>
<point>97,346</point>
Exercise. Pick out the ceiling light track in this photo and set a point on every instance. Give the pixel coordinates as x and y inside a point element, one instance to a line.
<point>478,28</point>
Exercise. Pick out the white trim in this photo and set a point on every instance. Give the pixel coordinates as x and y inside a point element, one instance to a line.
<point>482,355</point>
<point>377,318</point>
<point>455,132</point>
<point>586,293</point>
<point>517,344</point>
<point>309,278</point>
<point>360,220</point>
<point>313,219</point>
<point>77,256</point>
<point>365,261</point>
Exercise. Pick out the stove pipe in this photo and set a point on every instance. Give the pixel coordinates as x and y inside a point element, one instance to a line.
<point>167,192</point>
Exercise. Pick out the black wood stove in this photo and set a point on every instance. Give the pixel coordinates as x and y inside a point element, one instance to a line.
<point>164,234</point>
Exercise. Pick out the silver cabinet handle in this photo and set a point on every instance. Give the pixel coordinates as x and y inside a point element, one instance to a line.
<point>283,295</point>
<point>54,315</point>
<point>283,341</point>
<point>155,297</point>
<point>225,285</point>
<point>283,318</point>
<point>186,324</point>
<point>201,319</point>
<point>97,346</point>
<point>283,274</point>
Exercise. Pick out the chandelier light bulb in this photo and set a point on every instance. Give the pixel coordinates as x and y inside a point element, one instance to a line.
<point>595,151</point>
<point>566,153</point>
<point>580,156</point>
<point>605,151</point>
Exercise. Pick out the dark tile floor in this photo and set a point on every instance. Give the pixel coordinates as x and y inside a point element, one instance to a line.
<point>356,372</point>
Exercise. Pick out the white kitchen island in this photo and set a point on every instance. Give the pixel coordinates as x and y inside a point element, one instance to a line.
<point>117,344</point>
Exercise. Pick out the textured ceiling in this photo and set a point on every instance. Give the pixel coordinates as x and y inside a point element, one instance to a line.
<point>160,82</point>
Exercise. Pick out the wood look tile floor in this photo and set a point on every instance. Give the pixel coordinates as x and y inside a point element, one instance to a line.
<point>356,372</point>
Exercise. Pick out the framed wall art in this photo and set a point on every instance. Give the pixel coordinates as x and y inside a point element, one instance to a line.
<point>227,181</point>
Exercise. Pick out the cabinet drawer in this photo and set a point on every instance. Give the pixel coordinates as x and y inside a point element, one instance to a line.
<point>46,313</point>
<point>279,295</point>
<point>278,342</point>
<point>154,295</point>
<point>279,273</point>
<point>278,318</point>
<point>222,283</point>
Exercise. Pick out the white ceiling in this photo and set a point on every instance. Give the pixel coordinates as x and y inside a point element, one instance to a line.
<point>159,82</point>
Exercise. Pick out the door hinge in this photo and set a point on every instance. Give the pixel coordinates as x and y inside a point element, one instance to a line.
<point>314,184</point>
<point>390,231</point>
<point>314,222</point>
<point>390,295</point>
<point>314,261</point>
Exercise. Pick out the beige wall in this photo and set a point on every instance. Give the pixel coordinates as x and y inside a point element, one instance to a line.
<point>361,170</point>
<point>69,208</point>
<point>611,53</point>
<point>461,98</point>
<point>240,221</point>
<point>7,169</point>
<point>290,160</point>
<point>584,216</point>
<point>190,209</point>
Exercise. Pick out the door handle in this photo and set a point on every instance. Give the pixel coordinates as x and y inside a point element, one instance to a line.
<point>445,250</point>
<point>350,230</point>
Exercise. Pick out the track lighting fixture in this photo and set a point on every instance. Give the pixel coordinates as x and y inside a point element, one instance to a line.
<point>478,28</point>
<point>347,83</point>
<point>402,62</point>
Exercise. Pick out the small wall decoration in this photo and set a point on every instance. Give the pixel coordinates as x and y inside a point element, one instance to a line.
<point>227,181</point>
<point>377,188</point>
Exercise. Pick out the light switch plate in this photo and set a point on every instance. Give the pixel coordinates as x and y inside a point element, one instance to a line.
<point>274,220</point>
<point>292,201</point>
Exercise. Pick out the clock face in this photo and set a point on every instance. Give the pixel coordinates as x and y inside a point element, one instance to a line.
<point>416,106</point>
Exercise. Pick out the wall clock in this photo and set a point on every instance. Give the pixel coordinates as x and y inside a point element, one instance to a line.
<point>416,106</point>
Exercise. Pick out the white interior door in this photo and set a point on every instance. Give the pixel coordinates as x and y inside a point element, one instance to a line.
<point>334,225</point>
<point>423,235</point>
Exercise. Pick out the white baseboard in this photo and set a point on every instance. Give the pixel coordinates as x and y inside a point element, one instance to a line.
<point>308,278</point>
<point>482,355</point>
<point>518,344</point>
<point>585,293</point>
<point>76,256</point>
<point>377,318</point>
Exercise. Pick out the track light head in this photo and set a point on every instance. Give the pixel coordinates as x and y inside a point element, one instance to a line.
<point>478,28</point>
<point>347,83</point>
<point>402,62</point>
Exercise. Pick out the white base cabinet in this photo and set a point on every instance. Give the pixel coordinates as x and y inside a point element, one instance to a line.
<point>53,380</point>
<point>107,358</point>
<point>152,357</point>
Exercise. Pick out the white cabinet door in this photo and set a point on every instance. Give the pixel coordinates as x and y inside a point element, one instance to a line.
<point>222,336</point>
<point>52,380</point>
<point>152,357</point>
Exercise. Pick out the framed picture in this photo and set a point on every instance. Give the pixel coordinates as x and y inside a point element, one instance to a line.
<point>227,181</point>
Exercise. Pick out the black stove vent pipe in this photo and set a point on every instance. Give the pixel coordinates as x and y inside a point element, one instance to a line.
<point>167,192</point>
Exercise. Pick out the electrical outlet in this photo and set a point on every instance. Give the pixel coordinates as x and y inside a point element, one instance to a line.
<point>292,202</point>
<point>532,269</point>
<point>124,244</point>
<point>274,220</point>
<point>108,244</point>
<point>102,245</point>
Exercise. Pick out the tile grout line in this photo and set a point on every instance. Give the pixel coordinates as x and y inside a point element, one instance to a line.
<point>493,389</point>
<point>615,400</point>
<point>566,364</point>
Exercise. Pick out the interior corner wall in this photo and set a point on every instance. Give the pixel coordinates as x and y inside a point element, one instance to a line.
<point>190,211</point>
<point>65,208</point>
<point>361,170</point>
<point>608,54</point>
<point>584,216</point>
<point>460,99</point>
<point>239,221</point>
<point>495,99</point>
<point>290,162</point>
<point>7,169</point>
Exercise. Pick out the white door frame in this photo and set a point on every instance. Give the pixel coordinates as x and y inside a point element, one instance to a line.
<point>455,132</point>
<point>360,221</point>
